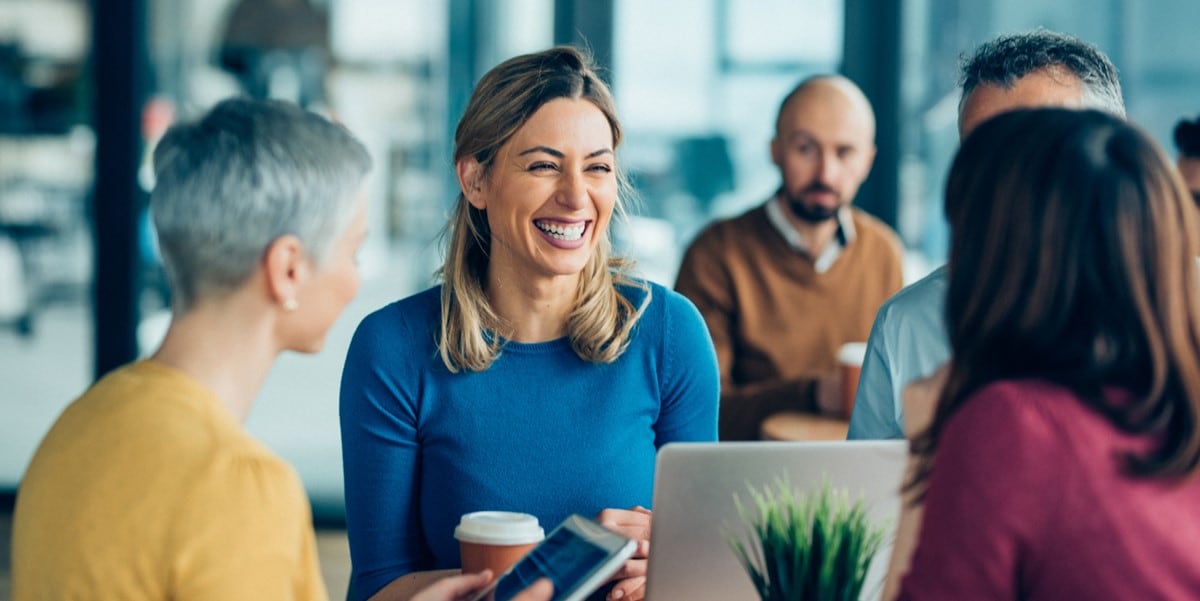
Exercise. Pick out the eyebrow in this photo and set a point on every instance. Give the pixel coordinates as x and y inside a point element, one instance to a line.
<point>558,153</point>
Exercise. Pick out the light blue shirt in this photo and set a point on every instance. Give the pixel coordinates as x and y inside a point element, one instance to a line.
<point>908,341</point>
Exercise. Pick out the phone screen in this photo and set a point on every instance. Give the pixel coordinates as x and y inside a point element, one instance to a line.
<point>566,558</point>
<point>576,557</point>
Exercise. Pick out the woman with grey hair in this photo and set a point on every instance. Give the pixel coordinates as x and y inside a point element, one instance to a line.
<point>540,377</point>
<point>147,486</point>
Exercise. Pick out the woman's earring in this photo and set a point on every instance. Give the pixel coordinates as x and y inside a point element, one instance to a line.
<point>290,305</point>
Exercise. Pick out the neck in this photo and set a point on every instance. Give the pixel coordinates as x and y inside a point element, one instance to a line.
<point>225,344</point>
<point>535,308</point>
<point>816,235</point>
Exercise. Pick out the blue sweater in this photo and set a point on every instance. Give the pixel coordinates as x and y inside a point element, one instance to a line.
<point>541,431</point>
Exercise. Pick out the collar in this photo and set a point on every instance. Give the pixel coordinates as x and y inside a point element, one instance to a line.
<point>844,237</point>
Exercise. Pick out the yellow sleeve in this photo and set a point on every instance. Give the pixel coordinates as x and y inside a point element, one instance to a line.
<point>246,533</point>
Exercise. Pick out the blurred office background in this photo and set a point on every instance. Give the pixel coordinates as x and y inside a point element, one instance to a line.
<point>86,88</point>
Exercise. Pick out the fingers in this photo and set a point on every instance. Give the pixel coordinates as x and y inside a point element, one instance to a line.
<point>829,394</point>
<point>538,591</point>
<point>920,401</point>
<point>631,523</point>
<point>633,568</point>
<point>631,589</point>
<point>455,587</point>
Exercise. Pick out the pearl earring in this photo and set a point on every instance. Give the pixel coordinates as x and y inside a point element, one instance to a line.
<point>290,305</point>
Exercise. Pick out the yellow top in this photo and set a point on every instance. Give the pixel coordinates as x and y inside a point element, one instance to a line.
<point>147,488</point>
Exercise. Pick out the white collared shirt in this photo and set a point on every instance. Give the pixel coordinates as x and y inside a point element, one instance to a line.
<point>833,250</point>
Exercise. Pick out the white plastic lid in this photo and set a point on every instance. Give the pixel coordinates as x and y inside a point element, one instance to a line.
<point>852,353</point>
<point>499,528</point>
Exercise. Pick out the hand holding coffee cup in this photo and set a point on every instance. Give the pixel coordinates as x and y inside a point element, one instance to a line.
<point>850,361</point>
<point>496,540</point>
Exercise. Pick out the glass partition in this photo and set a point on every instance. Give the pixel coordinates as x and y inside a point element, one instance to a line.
<point>698,91</point>
<point>46,152</point>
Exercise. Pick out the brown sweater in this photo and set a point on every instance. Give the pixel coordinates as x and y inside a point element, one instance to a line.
<point>776,322</point>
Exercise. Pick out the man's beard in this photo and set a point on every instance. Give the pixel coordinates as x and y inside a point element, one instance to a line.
<point>815,213</point>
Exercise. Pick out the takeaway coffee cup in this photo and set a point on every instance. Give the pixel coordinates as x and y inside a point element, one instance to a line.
<point>496,540</point>
<point>850,360</point>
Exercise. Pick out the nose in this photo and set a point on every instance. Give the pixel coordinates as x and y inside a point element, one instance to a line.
<point>572,190</point>
<point>828,168</point>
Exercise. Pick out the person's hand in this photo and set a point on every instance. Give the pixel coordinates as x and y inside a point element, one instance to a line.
<point>541,590</point>
<point>632,524</point>
<point>920,400</point>
<point>829,394</point>
<point>466,586</point>
<point>455,588</point>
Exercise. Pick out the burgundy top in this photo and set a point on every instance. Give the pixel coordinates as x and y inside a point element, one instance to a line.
<point>1027,501</point>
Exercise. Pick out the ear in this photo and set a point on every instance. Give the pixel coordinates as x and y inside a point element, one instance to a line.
<point>777,152</point>
<point>286,269</point>
<point>470,179</point>
<point>868,161</point>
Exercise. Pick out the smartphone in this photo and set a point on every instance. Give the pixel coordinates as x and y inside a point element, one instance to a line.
<point>578,556</point>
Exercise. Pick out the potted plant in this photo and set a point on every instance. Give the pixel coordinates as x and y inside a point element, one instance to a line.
<point>800,547</point>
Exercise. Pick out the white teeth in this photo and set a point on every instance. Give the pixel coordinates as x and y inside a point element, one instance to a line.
<point>567,233</point>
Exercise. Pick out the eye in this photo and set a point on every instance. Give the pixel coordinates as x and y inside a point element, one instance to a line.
<point>845,152</point>
<point>601,168</point>
<point>543,166</point>
<point>806,148</point>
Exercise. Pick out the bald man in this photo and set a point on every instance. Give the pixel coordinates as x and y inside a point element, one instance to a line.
<point>1023,70</point>
<point>785,284</point>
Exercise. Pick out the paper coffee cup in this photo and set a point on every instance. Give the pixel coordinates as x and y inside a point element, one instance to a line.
<point>496,540</point>
<point>850,360</point>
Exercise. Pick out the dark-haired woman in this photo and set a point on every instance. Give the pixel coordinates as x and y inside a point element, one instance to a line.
<point>1062,456</point>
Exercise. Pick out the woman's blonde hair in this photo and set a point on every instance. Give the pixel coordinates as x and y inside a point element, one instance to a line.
<point>472,334</point>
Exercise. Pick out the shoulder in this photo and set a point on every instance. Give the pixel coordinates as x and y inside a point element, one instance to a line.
<point>661,304</point>
<point>871,230</point>
<point>925,295</point>
<point>418,308</point>
<point>403,322</point>
<point>252,494</point>
<point>668,318</point>
<point>746,225</point>
<point>257,470</point>
<point>1024,412</point>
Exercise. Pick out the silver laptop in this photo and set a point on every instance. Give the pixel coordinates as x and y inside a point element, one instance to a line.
<point>694,508</point>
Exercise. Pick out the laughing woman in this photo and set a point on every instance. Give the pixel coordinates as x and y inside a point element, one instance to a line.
<point>539,377</point>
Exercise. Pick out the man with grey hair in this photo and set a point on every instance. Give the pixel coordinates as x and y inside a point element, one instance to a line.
<point>909,339</point>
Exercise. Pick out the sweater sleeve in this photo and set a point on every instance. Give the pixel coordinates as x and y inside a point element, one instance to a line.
<point>690,386</point>
<point>380,455</point>
<point>990,497</point>
<point>245,532</point>
<point>705,280</point>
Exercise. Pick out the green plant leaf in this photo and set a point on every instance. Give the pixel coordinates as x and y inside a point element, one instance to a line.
<point>805,547</point>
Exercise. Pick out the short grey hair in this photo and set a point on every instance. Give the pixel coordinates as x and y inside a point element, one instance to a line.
<point>247,172</point>
<point>1006,59</point>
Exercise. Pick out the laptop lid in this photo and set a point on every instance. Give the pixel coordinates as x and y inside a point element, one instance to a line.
<point>694,508</point>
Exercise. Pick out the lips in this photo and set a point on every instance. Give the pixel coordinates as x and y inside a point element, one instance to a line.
<point>564,231</point>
